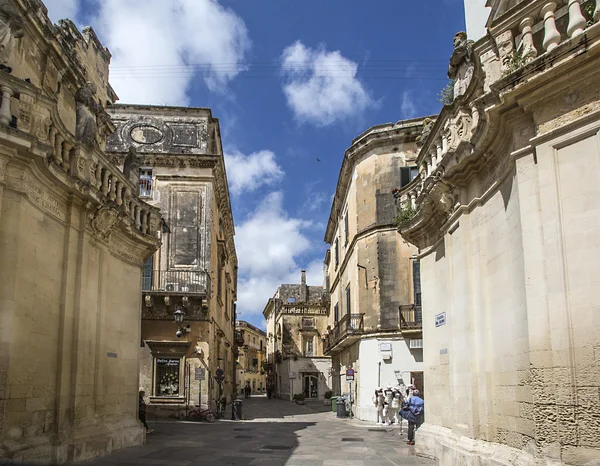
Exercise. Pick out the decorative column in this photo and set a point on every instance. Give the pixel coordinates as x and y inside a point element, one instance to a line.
<point>597,11</point>
<point>98,176</point>
<point>428,161</point>
<point>551,34</point>
<point>433,154</point>
<point>529,50</point>
<point>5,111</point>
<point>58,149</point>
<point>438,147</point>
<point>105,179</point>
<point>138,222</point>
<point>577,22</point>
<point>112,188</point>
<point>144,222</point>
<point>413,199</point>
<point>119,188</point>
<point>66,155</point>
<point>51,139</point>
<point>132,210</point>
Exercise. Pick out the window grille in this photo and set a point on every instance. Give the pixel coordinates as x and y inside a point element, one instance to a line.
<point>145,183</point>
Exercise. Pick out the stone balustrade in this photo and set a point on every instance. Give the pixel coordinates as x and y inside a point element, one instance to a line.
<point>33,115</point>
<point>541,27</point>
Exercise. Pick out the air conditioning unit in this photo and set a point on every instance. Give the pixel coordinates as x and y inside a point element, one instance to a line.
<point>416,344</point>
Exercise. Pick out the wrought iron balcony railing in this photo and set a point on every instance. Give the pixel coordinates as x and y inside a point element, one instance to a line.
<point>349,324</point>
<point>411,318</point>
<point>176,281</point>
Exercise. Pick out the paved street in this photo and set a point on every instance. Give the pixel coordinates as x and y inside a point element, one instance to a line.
<point>273,432</point>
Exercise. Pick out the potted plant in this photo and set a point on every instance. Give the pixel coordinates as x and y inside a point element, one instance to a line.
<point>299,398</point>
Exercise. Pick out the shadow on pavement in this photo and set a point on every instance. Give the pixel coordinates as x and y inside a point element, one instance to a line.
<point>274,408</point>
<point>221,443</point>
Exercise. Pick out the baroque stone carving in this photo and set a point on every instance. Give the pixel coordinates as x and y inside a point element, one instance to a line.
<point>11,28</point>
<point>427,127</point>
<point>87,110</point>
<point>462,65</point>
<point>103,220</point>
<point>148,301</point>
<point>131,162</point>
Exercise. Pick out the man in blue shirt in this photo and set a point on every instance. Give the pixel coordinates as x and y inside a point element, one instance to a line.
<point>413,413</point>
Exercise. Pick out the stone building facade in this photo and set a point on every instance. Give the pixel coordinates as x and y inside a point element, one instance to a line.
<point>252,357</point>
<point>374,324</point>
<point>507,222</point>
<point>296,324</point>
<point>73,237</point>
<point>175,156</point>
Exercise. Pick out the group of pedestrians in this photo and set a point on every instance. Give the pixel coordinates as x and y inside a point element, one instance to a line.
<point>393,405</point>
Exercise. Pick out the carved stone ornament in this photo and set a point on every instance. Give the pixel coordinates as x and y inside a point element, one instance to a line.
<point>148,301</point>
<point>103,220</point>
<point>11,28</point>
<point>131,162</point>
<point>462,65</point>
<point>427,127</point>
<point>86,128</point>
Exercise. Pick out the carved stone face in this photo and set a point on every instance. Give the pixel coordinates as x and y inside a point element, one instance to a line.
<point>459,39</point>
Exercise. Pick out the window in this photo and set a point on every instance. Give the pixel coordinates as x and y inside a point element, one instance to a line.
<point>346,232</point>
<point>147,274</point>
<point>417,282</point>
<point>336,252</point>
<point>146,182</point>
<point>220,279</point>
<point>254,340</point>
<point>291,299</point>
<point>336,313</point>
<point>167,376</point>
<point>407,174</point>
<point>348,303</point>
<point>308,347</point>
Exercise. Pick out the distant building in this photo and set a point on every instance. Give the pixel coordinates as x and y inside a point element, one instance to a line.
<point>296,324</point>
<point>374,315</point>
<point>174,154</point>
<point>252,360</point>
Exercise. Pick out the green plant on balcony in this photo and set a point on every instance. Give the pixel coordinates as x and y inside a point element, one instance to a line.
<point>446,95</point>
<point>405,214</point>
<point>514,62</point>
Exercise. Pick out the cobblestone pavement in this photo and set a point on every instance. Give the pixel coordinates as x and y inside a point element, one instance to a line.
<point>273,432</point>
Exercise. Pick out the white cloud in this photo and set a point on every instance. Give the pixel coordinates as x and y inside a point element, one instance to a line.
<point>61,9</point>
<point>408,107</point>
<point>269,245</point>
<point>155,44</point>
<point>321,87</point>
<point>250,172</point>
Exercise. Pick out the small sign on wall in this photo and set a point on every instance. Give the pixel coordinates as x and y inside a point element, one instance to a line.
<point>292,375</point>
<point>440,319</point>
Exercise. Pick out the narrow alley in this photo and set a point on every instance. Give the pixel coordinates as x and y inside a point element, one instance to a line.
<point>273,432</point>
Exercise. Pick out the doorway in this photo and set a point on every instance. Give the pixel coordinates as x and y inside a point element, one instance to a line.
<point>310,383</point>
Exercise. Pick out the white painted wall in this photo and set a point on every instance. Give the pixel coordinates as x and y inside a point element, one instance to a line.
<point>290,386</point>
<point>476,15</point>
<point>403,360</point>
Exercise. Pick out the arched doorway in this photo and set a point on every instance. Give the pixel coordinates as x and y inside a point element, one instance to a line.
<point>310,383</point>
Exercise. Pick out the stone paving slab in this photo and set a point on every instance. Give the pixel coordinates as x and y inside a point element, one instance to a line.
<point>273,433</point>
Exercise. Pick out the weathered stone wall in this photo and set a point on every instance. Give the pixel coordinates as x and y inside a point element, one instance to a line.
<point>507,226</point>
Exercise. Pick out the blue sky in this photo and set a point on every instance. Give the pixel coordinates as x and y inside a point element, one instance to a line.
<point>292,84</point>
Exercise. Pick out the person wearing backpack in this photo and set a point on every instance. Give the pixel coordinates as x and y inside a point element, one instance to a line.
<point>413,413</point>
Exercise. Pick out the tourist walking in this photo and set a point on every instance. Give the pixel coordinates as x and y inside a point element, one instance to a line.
<point>413,413</point>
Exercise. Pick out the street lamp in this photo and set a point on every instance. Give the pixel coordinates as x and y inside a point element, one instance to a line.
<point>179,317</point>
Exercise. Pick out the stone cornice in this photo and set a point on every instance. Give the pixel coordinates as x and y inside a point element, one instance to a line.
<point>387,135</point>
<point>503,126</point>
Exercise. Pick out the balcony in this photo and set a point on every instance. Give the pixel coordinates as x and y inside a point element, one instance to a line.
<point>345,332</point>
<point>411,321</point>
<point>182,282</point>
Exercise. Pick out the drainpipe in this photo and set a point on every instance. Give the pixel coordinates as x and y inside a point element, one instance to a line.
<point>379,375</point>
